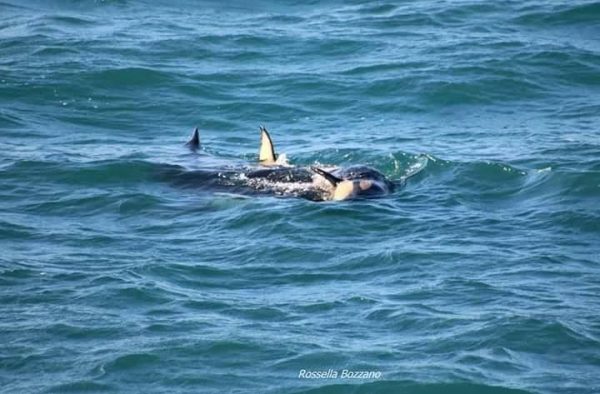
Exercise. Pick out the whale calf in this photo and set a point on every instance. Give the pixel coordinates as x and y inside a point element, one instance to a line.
<point>274,175</point>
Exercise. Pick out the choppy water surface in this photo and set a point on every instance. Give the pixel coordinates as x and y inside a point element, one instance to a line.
<point>481,275</point>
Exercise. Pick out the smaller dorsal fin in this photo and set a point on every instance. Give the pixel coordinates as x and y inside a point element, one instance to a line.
<point>194,142</point>
<point>266,154</point>
<point>334,180</point>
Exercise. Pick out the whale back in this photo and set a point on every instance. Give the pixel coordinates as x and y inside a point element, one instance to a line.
<point>359,172</point>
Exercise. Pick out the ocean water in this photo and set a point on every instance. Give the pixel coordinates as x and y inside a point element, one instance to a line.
<point>480,275</point>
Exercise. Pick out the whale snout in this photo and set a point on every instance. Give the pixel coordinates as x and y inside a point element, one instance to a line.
<point>360,182</point>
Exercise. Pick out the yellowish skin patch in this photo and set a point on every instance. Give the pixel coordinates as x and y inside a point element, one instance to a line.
<point>345,190</point>
<point>266,154</point>
<point>350,189</point>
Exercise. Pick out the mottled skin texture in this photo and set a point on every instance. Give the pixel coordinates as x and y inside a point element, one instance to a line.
<point>283,174</point>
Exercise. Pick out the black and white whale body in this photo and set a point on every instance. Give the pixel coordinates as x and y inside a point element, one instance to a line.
<point>274,176</point>
<point>356,181</point>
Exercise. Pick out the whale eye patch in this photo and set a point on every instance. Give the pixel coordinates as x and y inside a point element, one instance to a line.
<point>365,185</point>
<point>368,188</point>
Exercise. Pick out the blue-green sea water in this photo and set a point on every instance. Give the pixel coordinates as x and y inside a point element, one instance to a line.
<point>480,275</point>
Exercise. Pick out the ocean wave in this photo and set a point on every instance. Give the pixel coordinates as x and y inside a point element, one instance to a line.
<point>562,14</point>
<point>93,173</point>
<point>128,77</point>
<point>123,268</point>
<point>395,386</point>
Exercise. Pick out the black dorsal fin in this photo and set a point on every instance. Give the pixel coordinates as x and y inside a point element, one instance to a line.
<point>334,180</point>
<point>194,142</point>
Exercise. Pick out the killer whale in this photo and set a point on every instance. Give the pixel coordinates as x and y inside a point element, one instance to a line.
<point>273,175</point>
